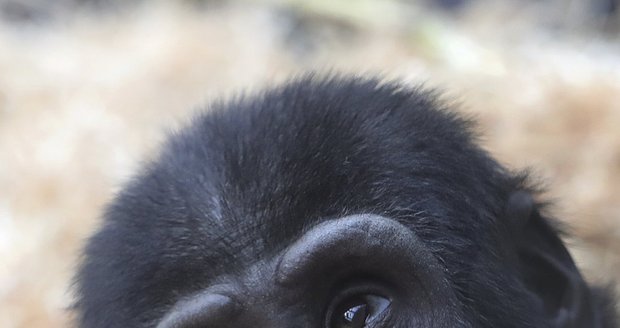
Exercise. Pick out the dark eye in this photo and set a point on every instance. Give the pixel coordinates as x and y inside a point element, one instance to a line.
<point>356,311</point>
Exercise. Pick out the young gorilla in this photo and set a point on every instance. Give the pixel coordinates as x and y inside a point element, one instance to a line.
<point>330,203</point>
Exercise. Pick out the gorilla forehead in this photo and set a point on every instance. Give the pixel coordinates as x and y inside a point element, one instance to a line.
<point>303,153</point>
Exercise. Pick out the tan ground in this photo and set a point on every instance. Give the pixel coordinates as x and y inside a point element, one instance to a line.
<point>84,100</point>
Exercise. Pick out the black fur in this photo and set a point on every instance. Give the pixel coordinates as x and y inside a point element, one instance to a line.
<point>248,178</point>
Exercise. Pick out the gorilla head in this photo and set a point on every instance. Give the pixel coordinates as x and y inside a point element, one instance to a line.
<point>330,203</point>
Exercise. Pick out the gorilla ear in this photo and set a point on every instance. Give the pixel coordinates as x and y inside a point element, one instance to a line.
<point>546,267</point>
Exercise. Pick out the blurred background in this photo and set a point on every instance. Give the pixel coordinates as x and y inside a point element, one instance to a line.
<point>89,88</point>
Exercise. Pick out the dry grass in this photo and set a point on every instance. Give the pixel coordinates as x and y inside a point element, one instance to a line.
<point>82,101</point>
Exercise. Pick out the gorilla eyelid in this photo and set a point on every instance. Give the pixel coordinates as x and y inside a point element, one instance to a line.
<point>374,301</point>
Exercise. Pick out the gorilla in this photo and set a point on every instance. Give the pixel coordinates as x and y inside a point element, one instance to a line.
<point>331,202</point>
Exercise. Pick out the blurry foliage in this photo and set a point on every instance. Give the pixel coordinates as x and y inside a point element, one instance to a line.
<point>600,15</point>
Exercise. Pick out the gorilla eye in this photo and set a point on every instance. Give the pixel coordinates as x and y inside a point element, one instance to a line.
<point>356,311</point>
